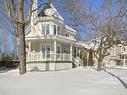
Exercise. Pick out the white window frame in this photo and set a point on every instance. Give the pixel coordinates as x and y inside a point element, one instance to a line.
<point>44,29</point>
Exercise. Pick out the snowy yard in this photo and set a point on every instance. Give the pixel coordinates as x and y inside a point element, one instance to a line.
<point>79,81</point>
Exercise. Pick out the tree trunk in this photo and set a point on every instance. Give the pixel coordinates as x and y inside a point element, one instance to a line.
<point>22,51</point>
<point>90,59</point>
<point>99,65</point>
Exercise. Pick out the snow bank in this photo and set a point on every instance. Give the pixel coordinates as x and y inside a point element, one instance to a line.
<point>78,81</point>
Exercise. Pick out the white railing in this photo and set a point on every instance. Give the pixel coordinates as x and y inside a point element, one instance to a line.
<point>77,61</point>
<point>47,57</point>
<point>80,61</point>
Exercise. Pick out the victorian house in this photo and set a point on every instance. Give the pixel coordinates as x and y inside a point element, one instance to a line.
<point>49,40</point>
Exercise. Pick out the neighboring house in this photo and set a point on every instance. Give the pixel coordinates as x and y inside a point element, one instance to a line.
<point>118,53</point>
<point>49,40</point>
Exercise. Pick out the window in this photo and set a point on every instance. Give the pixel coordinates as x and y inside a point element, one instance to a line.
<point>47,29</point>
<point>58,49</point>
<point>46,51</point>
<point>43,29</point>
<point>54,29</point>
<point>67,35</point>
<point>58,30</point>
<point>65,50</point>
<point>43,49</point>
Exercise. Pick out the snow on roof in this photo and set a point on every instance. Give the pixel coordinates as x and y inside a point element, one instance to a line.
<point>69,28</point>
<point>88,45</point>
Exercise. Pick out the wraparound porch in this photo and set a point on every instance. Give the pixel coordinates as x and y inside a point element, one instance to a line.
<point>50,50</point>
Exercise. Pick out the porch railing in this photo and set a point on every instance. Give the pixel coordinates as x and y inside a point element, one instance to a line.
<point>47,57</point>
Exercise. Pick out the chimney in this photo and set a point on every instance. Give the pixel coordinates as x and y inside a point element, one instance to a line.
<point>34,9</point>
<point>34,14</point>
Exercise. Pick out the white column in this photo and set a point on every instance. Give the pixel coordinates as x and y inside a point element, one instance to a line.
<point>87,58</point>
<point>56,30</point>
<point>124,63</point>
<point>54,50</point>
<point>75,51</point>
<point>29,47</point>
<point>50,29</point>
<point>79,53</point>
<point>29,51</point>
<point>70,52</point>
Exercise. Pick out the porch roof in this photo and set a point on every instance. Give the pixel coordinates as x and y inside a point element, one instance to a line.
<point>50,38</point>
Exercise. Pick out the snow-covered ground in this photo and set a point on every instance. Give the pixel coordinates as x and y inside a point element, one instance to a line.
<point>78,81</point>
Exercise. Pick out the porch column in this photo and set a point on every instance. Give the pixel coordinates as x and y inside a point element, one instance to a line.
<point>87,59</point>
<point>70,52</point>
<point>76,52</point>
<point>29,51</point>
<point>29,47</point>
<point>124,61</point>
<point>79,53</point>
<point>54,50</point>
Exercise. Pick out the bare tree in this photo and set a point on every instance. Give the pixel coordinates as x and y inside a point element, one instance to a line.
<point>14,11</point>
<point>108,30</point>
<point>73,11</point>
<point>105,23</point>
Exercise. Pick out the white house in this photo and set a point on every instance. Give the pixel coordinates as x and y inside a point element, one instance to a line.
<point>49,40</point>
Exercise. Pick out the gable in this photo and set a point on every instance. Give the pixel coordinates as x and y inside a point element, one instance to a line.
<point>50,10</point>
